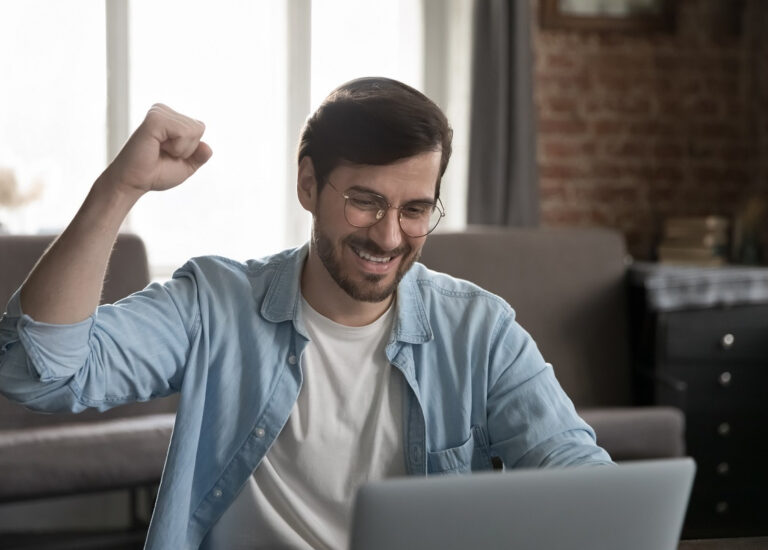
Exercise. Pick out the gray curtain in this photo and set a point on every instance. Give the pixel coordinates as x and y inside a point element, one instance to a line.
<point>503,177</point>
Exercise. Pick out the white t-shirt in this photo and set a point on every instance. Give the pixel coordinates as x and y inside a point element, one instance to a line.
<point>345,429</point>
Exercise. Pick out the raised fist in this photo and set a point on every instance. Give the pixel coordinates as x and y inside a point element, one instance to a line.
<point>163,152</point>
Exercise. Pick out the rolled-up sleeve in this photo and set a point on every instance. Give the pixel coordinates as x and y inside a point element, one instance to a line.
<point>133,350</point>
<point>532,422</point>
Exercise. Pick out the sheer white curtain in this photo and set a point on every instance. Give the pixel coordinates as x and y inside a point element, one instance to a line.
<point>223,63</point>
<point>236,65</point>
<point>52,106</point>
<point>355,38</point>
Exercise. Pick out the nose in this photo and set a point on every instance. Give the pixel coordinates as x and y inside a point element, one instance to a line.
<point>387,232</point>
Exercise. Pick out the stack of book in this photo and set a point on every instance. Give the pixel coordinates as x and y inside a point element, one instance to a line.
<point>700,241</point>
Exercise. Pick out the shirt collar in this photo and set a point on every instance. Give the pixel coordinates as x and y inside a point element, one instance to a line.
<point>411,324</point>
<point>282,301</point>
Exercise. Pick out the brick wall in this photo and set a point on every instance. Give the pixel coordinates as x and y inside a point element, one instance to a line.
<point>636,127</point>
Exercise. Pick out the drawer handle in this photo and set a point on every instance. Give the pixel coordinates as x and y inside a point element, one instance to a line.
<point>723,468</point>
<point>727,341</point>
<point>723,429</point>
<point>721,507</point>
<point>725,379</point>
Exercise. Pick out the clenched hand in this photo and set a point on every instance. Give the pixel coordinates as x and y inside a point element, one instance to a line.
<point>163,152</point>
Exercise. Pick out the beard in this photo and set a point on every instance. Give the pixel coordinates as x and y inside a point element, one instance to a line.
<point>369,290</point>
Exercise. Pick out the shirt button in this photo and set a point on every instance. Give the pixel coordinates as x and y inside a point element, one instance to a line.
<point>260,432</point>
<point>217,493</point>
<point>292,359</point>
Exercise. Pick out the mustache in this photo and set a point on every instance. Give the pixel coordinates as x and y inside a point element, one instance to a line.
<point>374,249</point>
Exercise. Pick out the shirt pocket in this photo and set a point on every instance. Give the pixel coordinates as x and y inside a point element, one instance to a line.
<point>473,454</point>
<point>455,460</point>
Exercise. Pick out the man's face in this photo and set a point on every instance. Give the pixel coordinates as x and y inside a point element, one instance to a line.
<point>368,263</point>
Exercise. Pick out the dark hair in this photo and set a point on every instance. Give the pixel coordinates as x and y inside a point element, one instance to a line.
<point>374,121</point>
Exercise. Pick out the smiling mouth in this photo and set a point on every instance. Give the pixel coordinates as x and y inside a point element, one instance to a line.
<point>370,257</point>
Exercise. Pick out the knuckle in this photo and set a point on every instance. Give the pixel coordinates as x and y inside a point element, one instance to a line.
<point>156,108</point>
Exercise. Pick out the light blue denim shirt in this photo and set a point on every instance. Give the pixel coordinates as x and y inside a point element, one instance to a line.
<point>229,337</point>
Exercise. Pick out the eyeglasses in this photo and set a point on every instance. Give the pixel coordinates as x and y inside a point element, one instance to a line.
<point>365,209</point>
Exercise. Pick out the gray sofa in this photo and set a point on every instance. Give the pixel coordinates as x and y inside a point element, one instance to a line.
<point>45,455</point>
<point>567,286</point>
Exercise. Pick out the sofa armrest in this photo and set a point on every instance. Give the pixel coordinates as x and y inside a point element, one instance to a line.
<point>638,433</point>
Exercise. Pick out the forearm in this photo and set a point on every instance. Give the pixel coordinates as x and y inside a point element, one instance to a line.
<point>127,353</point>
<point>65,286</point>
<point>532,422</point>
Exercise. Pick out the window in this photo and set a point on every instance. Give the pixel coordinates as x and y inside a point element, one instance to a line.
<point>223,63</point>
<point>252,71</point>
<point>52,110</point>
<point>354,38</point>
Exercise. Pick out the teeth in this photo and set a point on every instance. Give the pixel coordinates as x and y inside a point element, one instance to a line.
<point>370,258</point>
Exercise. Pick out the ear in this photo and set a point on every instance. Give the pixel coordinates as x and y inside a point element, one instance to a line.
<point>306,185</point>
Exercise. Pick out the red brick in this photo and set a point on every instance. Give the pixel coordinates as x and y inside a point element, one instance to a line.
<point>606,170</point>
<point>611,60</point>
<point>559,149</point>
<point>635,127</point>
<point>615,83</point>
<point>653,127</point>
<point>553,190</point>
<point>615,194</point>
<point>610,127</point>
<point>558,81</point>
<point>627,105</point>
<point>560,171</point>
<point>561,104</point>
<point>564,217</point>
<point>671,172</point>
<point>560,61</point>
<point>632,82</point>
<point>632,149</point>
<point>562,126</point>
<point>707,174</point>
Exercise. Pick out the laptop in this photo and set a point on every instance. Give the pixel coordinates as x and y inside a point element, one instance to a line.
<point>633,506</point>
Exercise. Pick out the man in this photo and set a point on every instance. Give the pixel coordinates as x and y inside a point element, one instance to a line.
<point>304,374</point>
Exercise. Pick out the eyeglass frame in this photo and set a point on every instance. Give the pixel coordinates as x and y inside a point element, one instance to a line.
<point>437,204</point>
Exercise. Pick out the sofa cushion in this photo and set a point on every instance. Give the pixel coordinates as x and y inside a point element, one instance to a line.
<point>68,459</point>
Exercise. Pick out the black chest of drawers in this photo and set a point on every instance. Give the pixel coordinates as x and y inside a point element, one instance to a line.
<point>710,359</point>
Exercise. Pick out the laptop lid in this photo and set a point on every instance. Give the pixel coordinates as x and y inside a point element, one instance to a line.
<point>633,506</point>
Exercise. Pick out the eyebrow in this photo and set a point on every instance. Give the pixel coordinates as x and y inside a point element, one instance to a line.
<point>362,189</point>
